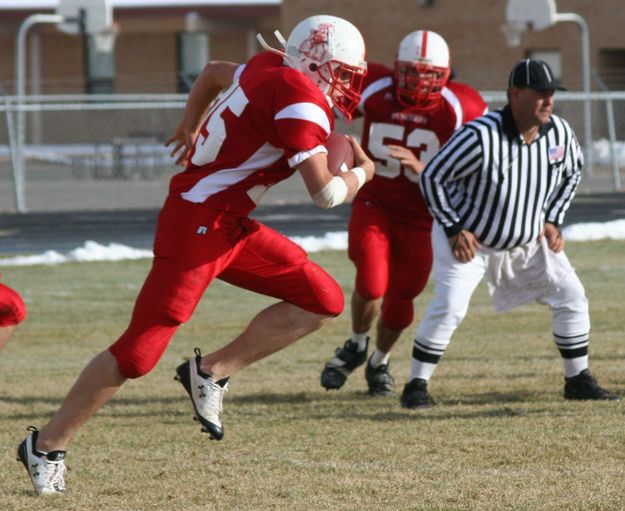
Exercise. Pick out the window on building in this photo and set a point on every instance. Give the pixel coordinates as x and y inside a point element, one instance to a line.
<point>611,68</point>
<point>553,58</point>
<point>193,53</point>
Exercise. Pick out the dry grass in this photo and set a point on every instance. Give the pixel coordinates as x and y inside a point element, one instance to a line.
<point>502,437</point>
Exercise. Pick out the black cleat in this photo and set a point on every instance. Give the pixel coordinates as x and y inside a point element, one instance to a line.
<point>379,380</point>
<point>416,395</point>
<point>345,360</point>
<point>584,386</point>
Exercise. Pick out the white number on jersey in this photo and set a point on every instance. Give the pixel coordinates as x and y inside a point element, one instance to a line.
<point>424,143</point>
<point>213,132</point>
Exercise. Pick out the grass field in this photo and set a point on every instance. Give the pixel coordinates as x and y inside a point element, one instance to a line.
<point>501,437</point>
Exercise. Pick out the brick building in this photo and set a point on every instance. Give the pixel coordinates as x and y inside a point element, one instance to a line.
<point>472,28</point>
<point>158,49</point>
<point>153,37</point>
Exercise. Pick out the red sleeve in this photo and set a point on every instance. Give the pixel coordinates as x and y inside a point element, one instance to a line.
<point>473,105</point>
<point>375,72</point>
<point>303,118</point>
<point>379,77</point>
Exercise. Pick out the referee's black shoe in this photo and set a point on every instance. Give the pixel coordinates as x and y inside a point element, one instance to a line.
<point>584,386</point>
<point>345,360</point>
<point>416,395</point>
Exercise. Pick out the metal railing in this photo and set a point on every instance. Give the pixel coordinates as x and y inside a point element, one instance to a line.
<point>78,149</point>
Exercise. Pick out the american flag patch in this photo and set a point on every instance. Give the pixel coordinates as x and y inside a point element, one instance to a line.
<point>556,153</point>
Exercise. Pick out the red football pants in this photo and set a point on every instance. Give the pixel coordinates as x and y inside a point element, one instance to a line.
<point>195,245</point>
<point>393,260</point>
<point>12,307</point>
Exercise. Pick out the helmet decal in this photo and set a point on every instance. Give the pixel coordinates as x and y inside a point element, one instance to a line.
<point>315,47</point>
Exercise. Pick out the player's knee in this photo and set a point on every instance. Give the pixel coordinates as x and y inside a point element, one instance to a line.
<point>446,311</point>
<point>331,303</point>
<point>371,285</point>
<point>324,296</point>
<point>570,299</point>
<point>369,291</point>
<point>12,307</point>
<point>134,361</point>
<point>133,367</point>
<point>397,314</point>
<point>140,347</point>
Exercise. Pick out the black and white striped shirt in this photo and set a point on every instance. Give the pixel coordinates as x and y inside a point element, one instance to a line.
<point>487,180</point>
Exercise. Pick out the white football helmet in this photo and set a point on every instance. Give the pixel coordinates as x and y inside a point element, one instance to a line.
<point>331,52</point>
<point>422,69</point>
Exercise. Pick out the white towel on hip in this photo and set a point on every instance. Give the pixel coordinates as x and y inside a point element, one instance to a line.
<point>524,274</point>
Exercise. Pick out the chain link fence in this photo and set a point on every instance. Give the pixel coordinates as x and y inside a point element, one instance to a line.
<point>92,152</point>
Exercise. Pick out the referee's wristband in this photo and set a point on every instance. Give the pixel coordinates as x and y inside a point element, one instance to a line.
<point>452,230</point>
<point>360,175</point>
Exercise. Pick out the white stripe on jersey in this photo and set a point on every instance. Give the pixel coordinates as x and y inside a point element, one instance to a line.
<point>453,100</point>
<point>223,178</point>
<point>237,72</point>
<point>307,112</point>
<point>372,89</point>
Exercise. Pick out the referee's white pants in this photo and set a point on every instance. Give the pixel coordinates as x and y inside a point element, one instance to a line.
<point>454,285</point>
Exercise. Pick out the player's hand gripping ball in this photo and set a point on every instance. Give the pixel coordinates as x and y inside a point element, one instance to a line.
<point>340,153</point>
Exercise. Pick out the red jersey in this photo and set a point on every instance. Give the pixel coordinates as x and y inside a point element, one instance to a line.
<point>270,120</point>
<point>394,189</point>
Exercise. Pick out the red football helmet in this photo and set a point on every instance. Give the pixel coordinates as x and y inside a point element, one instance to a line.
<point>331,52</point>
<point>421,69</point>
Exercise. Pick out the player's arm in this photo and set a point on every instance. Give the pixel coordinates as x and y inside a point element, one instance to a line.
<point>216,76</point>
<point>328,190</point>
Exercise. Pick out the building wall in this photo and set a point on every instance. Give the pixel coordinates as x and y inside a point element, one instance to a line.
<point>145,50</point>
<point>146,46</point>
<point>479,51</point>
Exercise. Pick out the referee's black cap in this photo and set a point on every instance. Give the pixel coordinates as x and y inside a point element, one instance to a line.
<point>533,74</point>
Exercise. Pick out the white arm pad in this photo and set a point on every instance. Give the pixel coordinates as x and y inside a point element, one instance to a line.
<point>332,194</point>
<point>360,175</point>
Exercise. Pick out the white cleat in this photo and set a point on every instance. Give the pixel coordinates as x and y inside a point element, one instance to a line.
<point>46,471</point>
<point>206,395</point>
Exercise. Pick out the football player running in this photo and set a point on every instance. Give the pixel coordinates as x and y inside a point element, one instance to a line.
<point>272,119</point>
<point>409,112</point>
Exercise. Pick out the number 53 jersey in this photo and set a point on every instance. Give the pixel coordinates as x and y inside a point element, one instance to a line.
<point>394,190</point>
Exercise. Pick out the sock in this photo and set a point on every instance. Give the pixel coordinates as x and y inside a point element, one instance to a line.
<point>56,455</point>
<point>202,373</point>
<point>378,358</point>
<point>574,366</point>
<point>221,383</point>
<point>361,340</point>
<point>421,370</point>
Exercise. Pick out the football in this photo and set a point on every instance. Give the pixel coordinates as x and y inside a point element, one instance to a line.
<point>340,153</point>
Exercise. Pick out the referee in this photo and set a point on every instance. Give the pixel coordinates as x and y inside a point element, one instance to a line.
<point>498,191</point>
